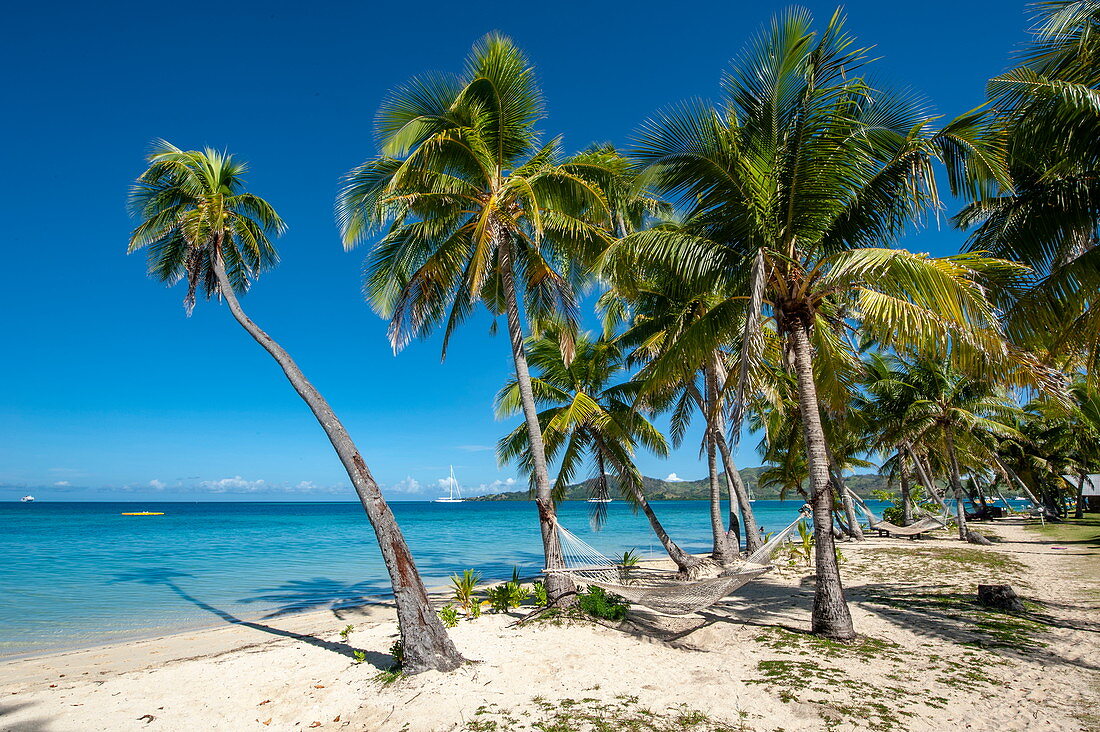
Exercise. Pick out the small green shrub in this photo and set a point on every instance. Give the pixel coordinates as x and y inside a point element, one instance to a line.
<point>465,590</point>
<point>627,564</point>
<point>397,650</point>
<point>542,597</point>
<point>346,632</point>
<point>359,656</point>
<point>600,603</point>
<point>449,615</point>
<point>508,595</point>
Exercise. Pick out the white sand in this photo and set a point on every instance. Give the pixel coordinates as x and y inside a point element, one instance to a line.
<point>924,665</point>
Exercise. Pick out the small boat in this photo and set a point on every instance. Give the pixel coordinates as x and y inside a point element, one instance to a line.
<point>599,500</point>
<point>27,499</point>
<point>452,483</point>
<point>144,513</point>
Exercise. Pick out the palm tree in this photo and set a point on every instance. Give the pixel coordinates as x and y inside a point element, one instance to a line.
<point>946,414</point>
<point>672,333</point>
<point>1045,215</point>
<point>476,209</point>
<point>589,418</point>
<point>200,225</point>
<point>792,190</point>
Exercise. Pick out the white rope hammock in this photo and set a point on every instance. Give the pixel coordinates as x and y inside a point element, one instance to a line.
<point>663,590</point>
<point>926,523</point>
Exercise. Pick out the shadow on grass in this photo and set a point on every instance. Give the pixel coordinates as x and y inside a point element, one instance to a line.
<point>168,578</point>
<point>935,612</point>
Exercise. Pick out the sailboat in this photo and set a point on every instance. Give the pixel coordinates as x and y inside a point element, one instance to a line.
<point>452,483</point>
<point>27,499</point>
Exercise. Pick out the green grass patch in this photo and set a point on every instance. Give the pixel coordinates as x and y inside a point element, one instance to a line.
<point>807,644</point>
<point>621,714</point>
<point>1071,531</point>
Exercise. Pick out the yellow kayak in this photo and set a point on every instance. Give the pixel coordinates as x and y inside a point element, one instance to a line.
<point>145,513</point>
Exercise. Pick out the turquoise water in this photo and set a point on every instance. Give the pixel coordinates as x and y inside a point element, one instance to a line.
<point>80,574</point>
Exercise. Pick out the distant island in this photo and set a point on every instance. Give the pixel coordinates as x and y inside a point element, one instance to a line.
<point>657,489</point>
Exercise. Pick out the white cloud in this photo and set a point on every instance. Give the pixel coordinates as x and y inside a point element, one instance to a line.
<point>673,478</point>
<point>157,484</point>
<point>408,485</point>
<point>62,483</point>
<point>236,484</point>
<point>498,486</point>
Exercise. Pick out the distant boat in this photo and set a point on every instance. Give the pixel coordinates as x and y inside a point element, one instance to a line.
<point>144,513</point>
<point>599,500</point>
<point>27,499</point>
<point>454,488</point>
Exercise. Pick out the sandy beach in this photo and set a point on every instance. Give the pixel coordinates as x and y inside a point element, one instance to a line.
<point>929,659</point>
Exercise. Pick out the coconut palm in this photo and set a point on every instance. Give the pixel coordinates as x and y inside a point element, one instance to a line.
<point>199,224</point>
<point>589,418</point>
<point>475,208</point>
<point>793,188</point>
<point>1047,111</point>
<point>672,332</point>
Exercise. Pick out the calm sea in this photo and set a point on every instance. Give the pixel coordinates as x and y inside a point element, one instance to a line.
<point>81,574</point>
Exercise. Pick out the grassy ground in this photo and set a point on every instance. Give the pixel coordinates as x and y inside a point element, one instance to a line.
<point>1072,531</point>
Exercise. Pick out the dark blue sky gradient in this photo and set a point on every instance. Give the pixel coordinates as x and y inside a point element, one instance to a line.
<point>109,390</point>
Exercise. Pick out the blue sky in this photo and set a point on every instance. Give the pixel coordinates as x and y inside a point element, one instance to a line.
<point>110,392</point>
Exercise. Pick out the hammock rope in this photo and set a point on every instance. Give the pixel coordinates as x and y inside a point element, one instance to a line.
<point>663,590</point>
<point>929,522</point>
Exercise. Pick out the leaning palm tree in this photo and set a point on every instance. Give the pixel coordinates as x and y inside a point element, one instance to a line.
<point>588,418</point>
<point>200,225</point>
<point>792,189</point>
<point>476,209</point>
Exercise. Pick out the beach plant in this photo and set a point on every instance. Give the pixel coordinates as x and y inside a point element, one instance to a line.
<point>538,591</point>
<point>627,563</point>
<point>449,615</point>
<point>508,595</point>
<point>464,587</point>
<point>198,224</point>
<point>346,632</point>
<point>359,656</point>
<point>598,602</point>
<point>793,189</point>
<point>475,207</point>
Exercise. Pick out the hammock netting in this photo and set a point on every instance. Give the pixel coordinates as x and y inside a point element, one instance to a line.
<point>926,523</point>
<point>664,590</point>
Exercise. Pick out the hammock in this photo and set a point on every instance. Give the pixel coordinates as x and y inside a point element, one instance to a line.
<point>923,525</point>
<point>662,590</point>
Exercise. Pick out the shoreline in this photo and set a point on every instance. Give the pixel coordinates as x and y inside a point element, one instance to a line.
<point>925,659</point>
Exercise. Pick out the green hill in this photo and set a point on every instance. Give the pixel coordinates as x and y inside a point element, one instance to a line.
<point>696,490</point>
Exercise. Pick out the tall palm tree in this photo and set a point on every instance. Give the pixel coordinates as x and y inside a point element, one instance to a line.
<point>588,418</point>
<point>475,208</point>
<point>199,224</point>
<point>671,331</point>
<point>1047,114</point>
<point>793,188</point>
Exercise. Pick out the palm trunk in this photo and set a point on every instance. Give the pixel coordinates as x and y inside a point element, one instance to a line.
<point>733,523</point>
<point>965,534</point>
<point>425,642</point>
<point>1079,507</point>
<point>559,586</point>
<point>831,617</point>
<point>854,529</point>
<point>722,552</point>
<point>733,475</point>
<point>686,563</point>
<point>906,504</point>
<point>925,477</point>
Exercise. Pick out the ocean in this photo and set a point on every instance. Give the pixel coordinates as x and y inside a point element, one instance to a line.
<point>74,575</point>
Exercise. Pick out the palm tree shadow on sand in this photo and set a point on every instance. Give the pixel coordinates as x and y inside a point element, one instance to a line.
<point>168,578</point>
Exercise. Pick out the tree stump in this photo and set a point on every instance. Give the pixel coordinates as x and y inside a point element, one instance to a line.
<point>975,538</point>
<point>1001,597</point>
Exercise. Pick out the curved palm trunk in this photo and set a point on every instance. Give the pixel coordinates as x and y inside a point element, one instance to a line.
<point>559,586</point>
<point>722,551</point>
<point>733,523</point>
<point>733,475</point>
<point>852,527</point>
<point>965,534</point>
<point>425,642</point>
<point>831,617</point>
<point>688,564</point>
